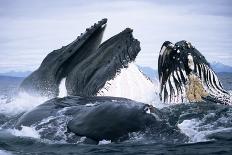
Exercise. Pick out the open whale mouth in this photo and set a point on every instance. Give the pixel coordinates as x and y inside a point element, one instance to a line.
<point>57,64</point>
<point>186,76</point>
<point>85,63</point>
<point>92,74</point>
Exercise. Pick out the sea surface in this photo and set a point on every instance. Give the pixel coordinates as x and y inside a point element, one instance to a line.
<point>203,128</point>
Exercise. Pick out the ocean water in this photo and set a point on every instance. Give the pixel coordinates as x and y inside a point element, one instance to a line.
<point>202,128</point>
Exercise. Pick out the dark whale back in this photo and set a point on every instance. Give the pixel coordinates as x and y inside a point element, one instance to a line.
<point>111,120</point>
<point>96,118</point>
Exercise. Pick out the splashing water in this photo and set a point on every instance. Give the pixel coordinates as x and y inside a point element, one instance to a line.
<point>103,142</point>
<point>25,132</point>
<point>199,133</point>
<point>190,128</point>
<point>131,83</point>
<point>5,152</point>
<point>21,103</point>
<point>62,88</point>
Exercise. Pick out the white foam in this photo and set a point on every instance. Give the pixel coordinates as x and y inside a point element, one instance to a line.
<point>103,142</point>
<point>3,99</point>
<point>90,104</point>
<point>62,88</point>
<point>190,129</point>
<point>131,83</point>
<point>198,131</point>
<point>82,139</point>
<point>25,132</point>
<point>21,103</point>
<point>3,152</point>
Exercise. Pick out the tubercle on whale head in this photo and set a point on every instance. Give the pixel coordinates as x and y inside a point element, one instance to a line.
<point>112,55</point>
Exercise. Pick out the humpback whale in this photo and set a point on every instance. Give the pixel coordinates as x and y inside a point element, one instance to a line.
<point>186,76</point>
<point>57,64</point>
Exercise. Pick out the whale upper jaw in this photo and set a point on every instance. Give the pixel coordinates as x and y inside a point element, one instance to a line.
<point>186,76</point>
<point>88,78</point>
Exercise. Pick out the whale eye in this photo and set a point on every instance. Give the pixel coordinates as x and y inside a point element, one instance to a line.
<point>147,110</point>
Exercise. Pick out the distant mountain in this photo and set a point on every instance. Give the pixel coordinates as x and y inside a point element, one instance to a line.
<point>9,83</point>
<point>217,67</point>
<point>16,74</point>
<point>226,79</point>
<point>148,71</point>
<point>5,79</point>
<point>220,67</point>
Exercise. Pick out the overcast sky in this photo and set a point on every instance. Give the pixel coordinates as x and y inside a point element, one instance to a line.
<point>30,29</point>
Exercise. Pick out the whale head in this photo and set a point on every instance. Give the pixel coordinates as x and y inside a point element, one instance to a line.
<point>57,64</point>
<point>87,78</point>
<point>186,76</point>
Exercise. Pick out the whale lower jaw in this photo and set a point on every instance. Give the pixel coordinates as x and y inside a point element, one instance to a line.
<point>193,90</point>
<point>130,83</point>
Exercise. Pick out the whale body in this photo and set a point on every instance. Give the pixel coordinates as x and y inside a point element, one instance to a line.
<point>97,118</point>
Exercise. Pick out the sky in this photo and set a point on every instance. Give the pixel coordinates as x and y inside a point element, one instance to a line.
<point>29,30</point>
